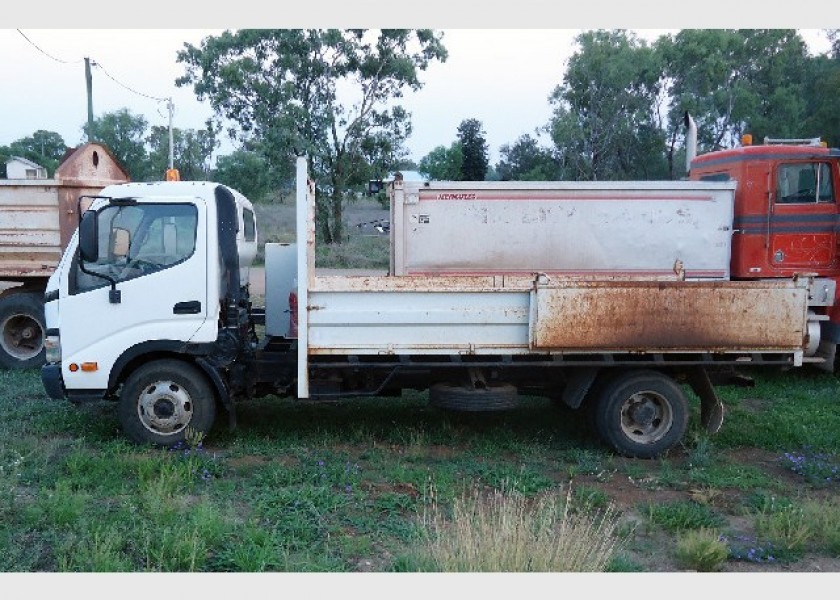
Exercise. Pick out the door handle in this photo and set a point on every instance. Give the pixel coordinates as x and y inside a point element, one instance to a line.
<point>193,307</point>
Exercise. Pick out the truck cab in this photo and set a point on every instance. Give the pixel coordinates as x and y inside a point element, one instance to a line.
<point>151,273</point>
<point>787,211</point>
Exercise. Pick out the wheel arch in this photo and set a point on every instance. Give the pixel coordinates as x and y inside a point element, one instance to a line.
<point>146,352</point>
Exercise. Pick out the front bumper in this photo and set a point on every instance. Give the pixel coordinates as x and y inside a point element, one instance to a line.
<point>53,382</point>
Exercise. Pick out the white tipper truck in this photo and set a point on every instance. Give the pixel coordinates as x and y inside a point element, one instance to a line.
<point>627,300</point>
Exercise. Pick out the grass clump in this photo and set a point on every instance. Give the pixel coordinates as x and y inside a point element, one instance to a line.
<point>507,532</point>
<point>701,550</point>
<point>684,515</point>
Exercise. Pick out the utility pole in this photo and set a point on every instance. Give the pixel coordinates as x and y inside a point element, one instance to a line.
<point>172,173</point>
<point>171,108</point>
<point>89,82</point>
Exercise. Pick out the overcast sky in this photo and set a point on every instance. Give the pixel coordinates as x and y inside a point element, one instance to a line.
<point>500,76</point>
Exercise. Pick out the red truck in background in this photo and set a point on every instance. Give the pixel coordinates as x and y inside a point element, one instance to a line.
<point>787,214</point>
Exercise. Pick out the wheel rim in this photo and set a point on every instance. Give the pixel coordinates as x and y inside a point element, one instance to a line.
<point>165,408</point>
<point>22,336</point>
<point>646,417</point>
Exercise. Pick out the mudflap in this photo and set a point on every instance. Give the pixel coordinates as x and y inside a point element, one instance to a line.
<point>711,408</point>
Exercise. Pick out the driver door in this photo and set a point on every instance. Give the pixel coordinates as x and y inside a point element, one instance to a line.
<point>154,255</point>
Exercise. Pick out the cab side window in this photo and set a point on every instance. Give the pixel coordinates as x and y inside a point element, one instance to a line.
<point>804,183</point>
<point>250,225</point>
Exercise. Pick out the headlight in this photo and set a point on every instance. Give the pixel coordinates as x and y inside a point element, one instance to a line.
<point>52,345</point>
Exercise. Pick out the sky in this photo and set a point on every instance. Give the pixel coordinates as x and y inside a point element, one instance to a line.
<point>501,69</point>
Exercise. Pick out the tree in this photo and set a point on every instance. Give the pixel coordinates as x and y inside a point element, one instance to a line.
<point>442,163</point>
<point>245,171</point>
<point>606,122</point>
<point>474,150</point>
<point>46,148</point>
<point>288,87</point>
<point>192,150</point>
<point>124,133</point>
<point>734,81</point>
<point>823,81</point>
<point>525,160</point>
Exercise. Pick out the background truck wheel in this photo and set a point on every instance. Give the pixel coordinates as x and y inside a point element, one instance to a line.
<point>641,414</point>
<point>160,400</point>
<point>470,399</point>
<point>21,331</point>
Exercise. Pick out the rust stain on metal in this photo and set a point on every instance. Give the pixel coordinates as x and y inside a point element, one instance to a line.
<point>405,283</point>
<point>649,317</point>
<point>37,220</point>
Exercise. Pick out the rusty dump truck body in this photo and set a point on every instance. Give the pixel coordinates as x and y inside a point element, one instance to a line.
<point>615,332</point>
<point>493,315</point>
<point>37,220</point>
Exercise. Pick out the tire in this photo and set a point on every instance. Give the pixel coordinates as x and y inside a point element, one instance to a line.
<point>22,331</point>
<point>161,400</point>
<point>467,399</point>
<point>641,414</point>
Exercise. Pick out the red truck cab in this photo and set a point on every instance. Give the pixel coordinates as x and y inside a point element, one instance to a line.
<point>787,211</point>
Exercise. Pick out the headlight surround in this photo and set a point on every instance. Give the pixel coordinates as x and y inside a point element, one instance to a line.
<point>52,347</point>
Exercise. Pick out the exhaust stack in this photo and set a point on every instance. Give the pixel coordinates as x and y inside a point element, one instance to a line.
<point>690,141</point>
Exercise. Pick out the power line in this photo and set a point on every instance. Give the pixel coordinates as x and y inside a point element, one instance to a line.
<point>65,62</point>
<point>98,64</point>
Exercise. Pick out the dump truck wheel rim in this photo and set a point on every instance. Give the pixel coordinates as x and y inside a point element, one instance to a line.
<point>21,336</point>
<point>646,417</point>
<point>165,408</point>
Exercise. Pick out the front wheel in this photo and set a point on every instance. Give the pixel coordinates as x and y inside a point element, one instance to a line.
<point>642,414</point>
<point>161,400</point>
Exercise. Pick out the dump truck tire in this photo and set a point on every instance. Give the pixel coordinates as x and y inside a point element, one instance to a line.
<point>641,414</point>
<point>162,401</point>
<point>468,399</point>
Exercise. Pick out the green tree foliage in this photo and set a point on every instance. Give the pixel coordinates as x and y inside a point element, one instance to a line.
<point>246,171</point>
<point>736,81</point>
<point>124,133</point>
<point>474,150</point>
<point>606,122</point>
<point>442,163</point>
<point>287,88</point>
<point>823,77</point>
<point>45,148</point>
<point>191,152</point>
<point>526,160</point>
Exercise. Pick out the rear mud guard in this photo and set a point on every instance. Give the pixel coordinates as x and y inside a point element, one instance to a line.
<point>711,408</point>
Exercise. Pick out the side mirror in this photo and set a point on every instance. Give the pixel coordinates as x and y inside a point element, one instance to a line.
<point>88,237</point>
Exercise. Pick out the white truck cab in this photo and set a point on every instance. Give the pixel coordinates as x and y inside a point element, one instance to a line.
<point>148,271</point>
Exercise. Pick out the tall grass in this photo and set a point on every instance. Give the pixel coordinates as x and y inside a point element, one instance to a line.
<point>504,532</point>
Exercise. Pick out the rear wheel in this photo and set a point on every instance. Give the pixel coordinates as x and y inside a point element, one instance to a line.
<point>161,400</point>
<point>22,331</point>
<point>641,414</point>
<point>471,399</point>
